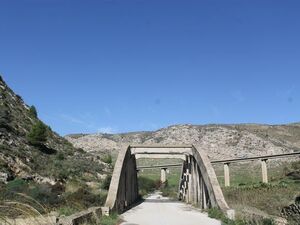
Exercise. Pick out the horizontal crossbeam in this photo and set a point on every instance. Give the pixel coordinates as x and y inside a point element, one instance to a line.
<point>159,166</point>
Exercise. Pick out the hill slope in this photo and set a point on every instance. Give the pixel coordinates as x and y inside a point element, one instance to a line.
<point>55,160</point>
<point>219,141</point>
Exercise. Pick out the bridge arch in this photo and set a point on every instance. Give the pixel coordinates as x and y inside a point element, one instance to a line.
<point>198,184</point>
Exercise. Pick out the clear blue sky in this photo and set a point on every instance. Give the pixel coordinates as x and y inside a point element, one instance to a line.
<point>116,66</point>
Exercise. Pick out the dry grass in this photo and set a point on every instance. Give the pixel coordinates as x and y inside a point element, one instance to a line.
<point>269,198</point>
<point>27,211</point>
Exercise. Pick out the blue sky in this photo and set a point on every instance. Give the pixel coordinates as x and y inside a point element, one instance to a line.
<point>117,66</point>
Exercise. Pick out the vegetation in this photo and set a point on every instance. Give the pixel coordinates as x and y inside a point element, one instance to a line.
<point>4,118</point>
<point>149,181</point>
<point>269,199</point>
<point>146,185</point>
<point>33,112</point>
<point>112,219</point>
<point>38,134</point>
<point>106,182</point>
<point>218,214</point>
<point>49,197</point>
<point>107,159</point>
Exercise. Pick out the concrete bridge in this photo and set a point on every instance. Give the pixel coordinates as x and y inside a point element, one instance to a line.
<point>198,184</point>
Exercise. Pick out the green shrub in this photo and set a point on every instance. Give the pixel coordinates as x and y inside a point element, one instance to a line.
<point>146,185</point>
<point>168,191</point>
<point>107,159</point>
<point>109,220</point>
<point>106,182</point>
<point>33,112</point>
<point>218,214</point>
<point>4,118</point>
<point>37,134</point>
<point>84,198</point>
<point>17,185</point>
<point>66,210</point>
<point>215,213</point>
<point>268,221</point>
<point>60,156</point>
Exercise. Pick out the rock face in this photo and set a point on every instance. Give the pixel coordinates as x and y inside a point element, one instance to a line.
<point>219,141</point>
<point>292,211</point>
<point>19,158</point>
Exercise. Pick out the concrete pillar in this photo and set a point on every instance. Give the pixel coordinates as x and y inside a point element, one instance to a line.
<point>204,197</point>
<point>192,182</point>
<point>188,180</point>
<point>226,175</point>
<point>163,175</point>
<point>196,183</point>
<point>199,178</point>
<point>264,170</point>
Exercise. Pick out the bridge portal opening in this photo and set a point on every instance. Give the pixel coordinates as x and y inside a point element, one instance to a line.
<point>197,181</point>
<point>159,174</point>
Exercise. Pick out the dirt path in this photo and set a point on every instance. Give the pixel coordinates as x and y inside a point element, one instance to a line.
<point>158,210</point>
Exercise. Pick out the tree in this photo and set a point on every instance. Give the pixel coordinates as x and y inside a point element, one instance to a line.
<point>33,112</point>
<point>4,118</point>
<point>37,134</point>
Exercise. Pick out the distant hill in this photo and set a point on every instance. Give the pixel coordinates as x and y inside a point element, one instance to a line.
<point>219,141</point>
<point>54,160</point>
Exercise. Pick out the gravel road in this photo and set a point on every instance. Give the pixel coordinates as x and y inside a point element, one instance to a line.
<point>158,210</point>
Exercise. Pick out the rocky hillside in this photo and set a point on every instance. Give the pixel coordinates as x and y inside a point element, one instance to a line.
<point>54,159</point>
<point>219,141</point>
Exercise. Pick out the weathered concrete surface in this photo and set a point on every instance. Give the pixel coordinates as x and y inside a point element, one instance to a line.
<point>159,156</point>
<point>123,189</point>
<point>158,210</point>
<point>211,182</point>
<point>92,214</point>
<point>161,149</point>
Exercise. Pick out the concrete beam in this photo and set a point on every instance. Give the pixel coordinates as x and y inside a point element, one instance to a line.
<point>292,154</point>
<point>162,150</point>
<point>161,146</point>
<point>160,156</point>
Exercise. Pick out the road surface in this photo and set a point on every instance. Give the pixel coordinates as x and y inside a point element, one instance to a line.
<point>158,210</point>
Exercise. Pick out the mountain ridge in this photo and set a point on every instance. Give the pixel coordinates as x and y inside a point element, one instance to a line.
<point>219,140</point>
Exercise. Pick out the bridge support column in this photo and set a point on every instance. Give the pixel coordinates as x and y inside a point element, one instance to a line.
<point>264,170</point>
<point>195,177</point>
<point>189,180</point>
<point>226,175</point>
<point>163,175</point>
